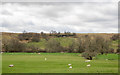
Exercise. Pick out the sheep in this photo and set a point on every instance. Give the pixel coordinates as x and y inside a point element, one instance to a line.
<point>69,64</point>
<point>87,60</point>
<point>70,67</point>
<point>1,52</point>
<point>38,53</point>
<point>45,59</point>
<point>106,59</point>
<point>11,65</point>
<point>62,52</point>
<point>88,65</point>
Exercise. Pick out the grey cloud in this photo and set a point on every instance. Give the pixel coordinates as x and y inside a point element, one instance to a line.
<point>74,17</point>
<point>5,12</point>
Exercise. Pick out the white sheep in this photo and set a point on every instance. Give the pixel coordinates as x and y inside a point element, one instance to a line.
<point>69,64</point>
<point>106,59</point>
<point>38,53</point>
<point>11,65</point>
<point>1,52</point>
<point>45,59</point>
<point>88,65</point>
<point>62,52</point>
<point>70,67</point>
<point>87,60</point>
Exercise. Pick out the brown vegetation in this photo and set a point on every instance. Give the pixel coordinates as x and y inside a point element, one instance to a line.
<point>89,44</point>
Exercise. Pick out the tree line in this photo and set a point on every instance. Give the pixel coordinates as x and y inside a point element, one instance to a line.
<point>88,45</point>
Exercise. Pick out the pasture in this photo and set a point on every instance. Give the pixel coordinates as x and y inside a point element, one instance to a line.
<point>58,63</point>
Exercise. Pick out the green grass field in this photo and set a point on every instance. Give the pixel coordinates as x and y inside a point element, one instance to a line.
<point>57,63</point>
<point>64,41</point>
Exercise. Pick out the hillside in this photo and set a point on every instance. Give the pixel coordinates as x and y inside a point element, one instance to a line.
<point>64,41</point>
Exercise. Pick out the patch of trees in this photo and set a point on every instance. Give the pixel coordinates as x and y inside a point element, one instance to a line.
<point>54,46</point>
<point>13,45</point>
<point>44,36</point>
<point>33,37</point>
<point>115,37</point>
<point>118,50</point>
<point>71,48</point>
<point>88,45</point>
<point>95,45</point>
<point>58,34</point>
<point>25,36</point>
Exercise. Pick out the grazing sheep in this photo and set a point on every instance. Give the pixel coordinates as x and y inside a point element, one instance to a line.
<point>1,52</point>
<point>38,53</point>
<point>45,59</point>
<point>106,59</point>
<point>62,52</point>
<point>70,67</point>
<point>11,65</point>
<point>88,65</point>
<point>69,64</point>
<point>87,60</point>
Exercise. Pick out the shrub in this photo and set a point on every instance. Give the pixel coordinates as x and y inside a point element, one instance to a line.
<point>32,48</point>
<point>111,50</point>
<point>14,46</point>
<point>36,38</point>
<point>89,55</point>
<point>5,41</point>
<point>94,45</point>
<point>54,46</point>
<point>102,44</point>
<point>115,37</point>
<point>71,47</point>
<point>80,44</point>
<point>25,36</point>
<point>118,50</point>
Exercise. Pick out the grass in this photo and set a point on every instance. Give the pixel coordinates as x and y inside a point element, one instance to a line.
<point>64,41</point>
<point>57,63</point>
<point>40,44</point>
<point>108,56</point>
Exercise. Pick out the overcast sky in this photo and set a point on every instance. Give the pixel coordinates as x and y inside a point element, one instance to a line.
<point>87,17</point>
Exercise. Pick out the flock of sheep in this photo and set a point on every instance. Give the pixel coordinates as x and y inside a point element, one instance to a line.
<point>13,65</point>
<point>70,65</point>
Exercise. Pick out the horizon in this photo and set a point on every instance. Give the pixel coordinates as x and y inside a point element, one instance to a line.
<point>70,32</point>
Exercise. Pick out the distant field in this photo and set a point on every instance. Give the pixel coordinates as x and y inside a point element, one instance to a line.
<point>64,41</point>
<point>57,63</point>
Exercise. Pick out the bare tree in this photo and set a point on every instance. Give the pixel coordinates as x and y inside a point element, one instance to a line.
<point>94,45</point>
<point>53,46</point>
<point>15,46</point>
<point>72,46</point>
<point>102,44</point>
<point>80,44</point>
